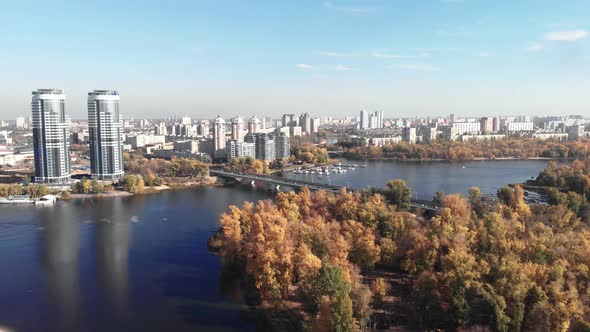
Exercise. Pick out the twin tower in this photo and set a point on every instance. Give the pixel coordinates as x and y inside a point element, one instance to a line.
<point>51,136</point>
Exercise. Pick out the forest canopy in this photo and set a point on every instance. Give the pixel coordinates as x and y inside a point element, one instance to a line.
<point>505,265</point>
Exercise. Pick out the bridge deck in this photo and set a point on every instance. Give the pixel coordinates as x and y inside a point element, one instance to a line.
<point>415,203</point>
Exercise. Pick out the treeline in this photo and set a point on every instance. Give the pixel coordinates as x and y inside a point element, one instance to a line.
<point>311,154</point>
<point>33,190</point>
<point>86,186</point>
<point>505,266</point>
<point>458,150</point>
<point>155,171</point>
<point>247,165</point>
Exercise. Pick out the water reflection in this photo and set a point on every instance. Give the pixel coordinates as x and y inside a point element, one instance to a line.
<point>60,246</point>
<point>113,237</point>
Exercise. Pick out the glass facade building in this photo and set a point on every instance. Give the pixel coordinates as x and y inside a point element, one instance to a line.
<point>105,127</point>
<point>51,133</point>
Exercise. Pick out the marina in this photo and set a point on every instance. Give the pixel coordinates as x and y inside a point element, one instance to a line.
<point>327,170</point>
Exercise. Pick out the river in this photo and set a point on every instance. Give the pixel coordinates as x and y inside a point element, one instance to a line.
<point>141,263</point>
<point>425,178</point>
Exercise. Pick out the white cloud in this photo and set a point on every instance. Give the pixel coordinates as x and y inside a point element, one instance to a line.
<point>304,66</point>
<point>535,47</point>
<point>340,68</point>
<point>568,36</point>
<point>485,54</point>
<point>336,54</point>
<point>416,67</point>
<point>360,10</point>
<point>379,55</point>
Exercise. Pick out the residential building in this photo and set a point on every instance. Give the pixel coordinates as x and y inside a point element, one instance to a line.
<point>265,146</point>
<point>450,133</point>
<point>253,125</point>
<point>575,132</point>
<point>463,128</point>
<point>51,133</point>
<point>5,138</point>
<point>236,128</point>
<point>382,141</point>
<point>282,145</point>
<point>204,128</point>
<point>20,123</point>
<point>105,128</point>
<point>364,120</point>
<point>430,133</point>
<point>289,120</point>
<point>490,137</point>
<point>239,149</point>
<point>409,135</point>
<point>315,125</point>
<point>546,136</point>
<point>519,126</point>
<point>141,140</point>
<point>305,123</point>
<point>219,138</point>
<point>486,125</point>
<point>190,146</point>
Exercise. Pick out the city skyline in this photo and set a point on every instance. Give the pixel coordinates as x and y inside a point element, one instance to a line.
<point>434,57</point>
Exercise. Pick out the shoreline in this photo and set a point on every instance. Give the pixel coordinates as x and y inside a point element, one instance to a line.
<point>208,182</point>
<point>455,160</point>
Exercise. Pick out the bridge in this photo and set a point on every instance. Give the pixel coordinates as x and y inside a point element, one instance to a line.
<point>298,184</point>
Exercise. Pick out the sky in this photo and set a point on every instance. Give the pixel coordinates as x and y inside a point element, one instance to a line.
<point>202,58</point>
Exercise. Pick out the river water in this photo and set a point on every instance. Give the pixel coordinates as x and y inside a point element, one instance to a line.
<point>141,263</point>
<point>427,177</point>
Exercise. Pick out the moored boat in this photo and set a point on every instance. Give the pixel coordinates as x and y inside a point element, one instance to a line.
<point>17,199</point>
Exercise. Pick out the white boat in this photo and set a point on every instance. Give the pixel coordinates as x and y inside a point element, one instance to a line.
<point>17,199</point>
<point>46,200</point>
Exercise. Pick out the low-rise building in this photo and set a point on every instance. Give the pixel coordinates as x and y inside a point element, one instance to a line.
<point>463,128</point>
<point>382,141</point>
<point>546,136</point>
<point>141,140</point>
<point>190,146</point>
<point>519,126</point>
<point>465,138</point>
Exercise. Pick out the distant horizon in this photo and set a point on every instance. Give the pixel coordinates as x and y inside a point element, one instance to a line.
<point>318,116</point>
<point>322,57</point>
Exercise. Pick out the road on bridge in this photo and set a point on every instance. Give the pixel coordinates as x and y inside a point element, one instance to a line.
<point>415,203</point>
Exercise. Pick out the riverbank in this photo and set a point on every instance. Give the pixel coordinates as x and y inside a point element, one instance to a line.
<point>367,157</point>
<point>208,181</point>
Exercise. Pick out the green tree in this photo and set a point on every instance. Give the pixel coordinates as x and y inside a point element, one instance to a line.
<point>96,187</point>
<point>132,183</point>
<point>398,193</point>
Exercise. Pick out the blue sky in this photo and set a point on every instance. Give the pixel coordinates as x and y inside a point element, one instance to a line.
<point>228,57</point>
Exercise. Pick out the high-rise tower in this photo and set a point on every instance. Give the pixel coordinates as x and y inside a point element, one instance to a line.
<point>253,125</point>
<point>51,134</point>
<point>105,126</point>
<point>236,128</point>
<point>219,138</point>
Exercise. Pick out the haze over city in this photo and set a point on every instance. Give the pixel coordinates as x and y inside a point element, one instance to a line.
<point>200,58</point>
